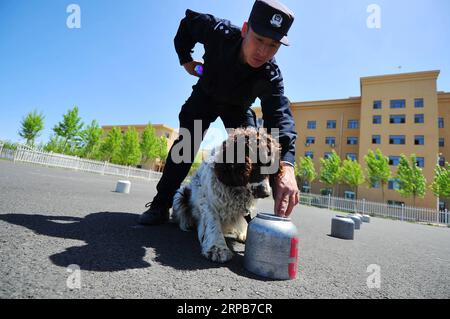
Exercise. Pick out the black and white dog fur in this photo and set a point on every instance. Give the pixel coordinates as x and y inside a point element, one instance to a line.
<point>225,188</point>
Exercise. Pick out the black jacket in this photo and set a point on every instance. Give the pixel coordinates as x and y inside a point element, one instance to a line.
<point>233,83</point>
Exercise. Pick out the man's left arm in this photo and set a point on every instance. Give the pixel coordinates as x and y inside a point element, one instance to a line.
<point>277,114</point>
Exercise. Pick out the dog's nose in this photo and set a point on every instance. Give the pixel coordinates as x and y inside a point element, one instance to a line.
<point>261,191</point>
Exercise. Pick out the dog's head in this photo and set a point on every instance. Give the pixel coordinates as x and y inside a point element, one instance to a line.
<point>247,159</point>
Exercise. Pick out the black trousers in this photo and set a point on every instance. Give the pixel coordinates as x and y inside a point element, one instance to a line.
<point>200,107</point>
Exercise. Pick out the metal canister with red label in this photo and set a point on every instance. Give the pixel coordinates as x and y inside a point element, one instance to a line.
<point>271,248</point>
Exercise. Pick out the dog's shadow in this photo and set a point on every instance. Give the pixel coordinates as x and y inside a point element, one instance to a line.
<point>115,242</point>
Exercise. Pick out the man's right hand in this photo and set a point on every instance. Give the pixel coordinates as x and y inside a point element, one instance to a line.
<point>190,67</point>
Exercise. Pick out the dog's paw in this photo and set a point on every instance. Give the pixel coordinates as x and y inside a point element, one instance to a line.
<point>219,254</point>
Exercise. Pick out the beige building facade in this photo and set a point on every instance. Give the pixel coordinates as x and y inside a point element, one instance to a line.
<point>398,114</point>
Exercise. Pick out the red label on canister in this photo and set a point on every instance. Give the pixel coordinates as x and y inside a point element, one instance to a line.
<point>293,265</point>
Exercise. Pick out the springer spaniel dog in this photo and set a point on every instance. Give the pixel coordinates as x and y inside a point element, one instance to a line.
<point>224,190</point>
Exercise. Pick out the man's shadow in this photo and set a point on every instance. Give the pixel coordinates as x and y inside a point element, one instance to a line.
<point>115,242</point>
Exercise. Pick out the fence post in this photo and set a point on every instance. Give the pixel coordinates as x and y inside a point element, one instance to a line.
<point>329,201</point>
<point>104,168</point>
<point>1,148</point>
<point>128,173</point>
<point>403,210</point>
<point>446,217</point>
<point>364,206</point>
<point>15,153</point>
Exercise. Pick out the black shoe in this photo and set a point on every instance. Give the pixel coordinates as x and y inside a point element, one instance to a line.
<point>157,214</point>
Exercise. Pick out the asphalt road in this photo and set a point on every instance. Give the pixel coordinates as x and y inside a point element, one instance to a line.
<point>52,218</point>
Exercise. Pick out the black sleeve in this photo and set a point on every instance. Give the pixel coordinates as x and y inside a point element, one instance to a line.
<point>194,28</point>
<point>277,114</point>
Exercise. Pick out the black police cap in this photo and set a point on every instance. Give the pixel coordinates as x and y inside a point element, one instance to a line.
<point>271,19</point>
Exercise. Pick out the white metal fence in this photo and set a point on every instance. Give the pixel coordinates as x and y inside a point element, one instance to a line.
<point>404,213</point>
<point>29,155</point>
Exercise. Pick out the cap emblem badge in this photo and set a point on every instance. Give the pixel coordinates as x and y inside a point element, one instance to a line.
<point>277,20</point>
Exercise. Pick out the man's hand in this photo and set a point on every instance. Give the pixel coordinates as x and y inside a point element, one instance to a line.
<point>286,192</point>
<point>190,67</point>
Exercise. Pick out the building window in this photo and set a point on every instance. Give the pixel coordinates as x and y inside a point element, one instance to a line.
<point>397,140</point>
<point>167,135</point>
<point>441,142</point>
<point>376,184</point>
<point>397,119</point>
<point>326,191</point>
<point>441,122</point>
<point>419,140</point>
<point>441,161</point>
<point>351,156</point>
<point>350,195</point>
<point>353,124</point>
<point>306,189</point>
<point>395,203</point>
<point>331,124</point>
<point>352,141</point>
<point>330,140</point>
<point>376,119</point>
<point>394,160</point>
<point>418,103</point>
<point>393,184</point>
<point>309,154</point>
<point>377,105</point>
<point>420,161</point>
<point>419,118</point>
<point>312,125</point>
<point>310,140</point>
<point>376,139</point>
<point>327,155</point>
<point>398,104</point>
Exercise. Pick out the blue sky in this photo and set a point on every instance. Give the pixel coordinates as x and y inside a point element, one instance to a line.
<point>120,67</point>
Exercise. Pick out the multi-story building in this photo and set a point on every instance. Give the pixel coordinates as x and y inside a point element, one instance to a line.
<point>398,114</point>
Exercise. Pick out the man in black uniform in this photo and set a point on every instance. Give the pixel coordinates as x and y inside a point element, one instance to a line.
<point>239,66</point>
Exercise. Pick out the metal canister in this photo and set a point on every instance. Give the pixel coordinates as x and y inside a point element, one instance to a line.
<point>271,248</point>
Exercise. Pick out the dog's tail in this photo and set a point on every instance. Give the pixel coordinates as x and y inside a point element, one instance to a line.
<point>181,211</point>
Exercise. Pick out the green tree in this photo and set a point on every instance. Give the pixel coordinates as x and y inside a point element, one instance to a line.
<point>352,174</point>
<point>305,171</point>
<point>441,182</point>
<point>31,127</point>
<point>130,153</point>
<point>410,178</point>
<point>111,146</point>
<point>69,129</point>
<point>8,145</point>
<point>330,172</point>
<point>149,144</point>
<point>56,144</point>
<point>162,148</point>
<point>90,140</point>
<point>378,170</point>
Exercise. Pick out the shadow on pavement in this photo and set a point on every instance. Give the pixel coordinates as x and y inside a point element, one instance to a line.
<point>115,242</point>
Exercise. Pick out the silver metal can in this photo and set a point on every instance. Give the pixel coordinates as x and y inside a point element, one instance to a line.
<point>271,248</point>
